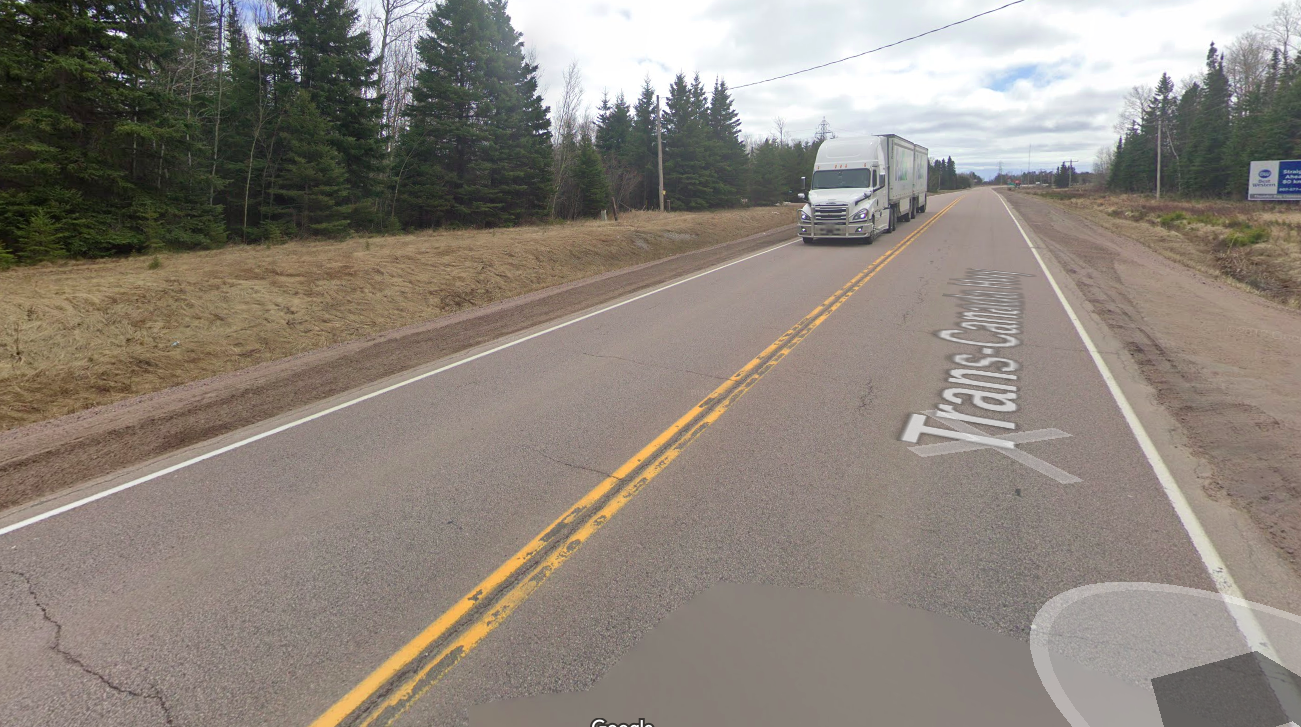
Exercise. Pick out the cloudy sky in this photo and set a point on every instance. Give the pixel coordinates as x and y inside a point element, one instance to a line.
<point>1045,74</point>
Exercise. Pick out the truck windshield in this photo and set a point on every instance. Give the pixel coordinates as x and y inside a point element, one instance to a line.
<point>841,178</point>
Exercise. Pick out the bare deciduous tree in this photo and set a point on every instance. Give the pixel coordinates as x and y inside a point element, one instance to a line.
<point>1131,110</point>
<point>1284,28</point>
<point>565,124</point>
<point>395,26</point>
<point>1246,61</point>
<point>1102,164</point>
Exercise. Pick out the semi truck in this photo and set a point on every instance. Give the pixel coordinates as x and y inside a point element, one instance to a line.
<point>863,187</point>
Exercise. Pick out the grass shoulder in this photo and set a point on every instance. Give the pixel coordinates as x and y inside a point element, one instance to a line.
<point>78,334</point>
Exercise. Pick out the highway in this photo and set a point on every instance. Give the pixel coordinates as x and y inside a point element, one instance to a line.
<point>514,519</point>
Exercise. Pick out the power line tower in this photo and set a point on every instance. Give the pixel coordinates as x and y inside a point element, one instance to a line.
<point>824,131</point>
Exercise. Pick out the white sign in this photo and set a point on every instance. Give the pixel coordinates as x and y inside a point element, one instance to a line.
<point>1274,180</point>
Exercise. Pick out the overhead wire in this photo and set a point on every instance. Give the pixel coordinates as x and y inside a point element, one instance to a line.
<point>874,50</point>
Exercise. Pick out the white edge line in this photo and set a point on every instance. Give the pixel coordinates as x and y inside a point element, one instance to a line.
<point>1215,566</point>
<point>290,425</point>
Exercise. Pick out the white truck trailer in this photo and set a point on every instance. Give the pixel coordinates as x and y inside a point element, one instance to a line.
<point>864,186</point>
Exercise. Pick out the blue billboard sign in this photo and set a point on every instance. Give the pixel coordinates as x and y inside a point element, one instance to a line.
<point>1274,180</point>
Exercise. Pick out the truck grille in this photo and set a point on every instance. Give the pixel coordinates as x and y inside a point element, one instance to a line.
<point>830,212</point>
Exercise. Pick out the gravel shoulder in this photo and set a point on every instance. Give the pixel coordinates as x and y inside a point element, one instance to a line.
<point>1223,362</point>
<point>42,459</point>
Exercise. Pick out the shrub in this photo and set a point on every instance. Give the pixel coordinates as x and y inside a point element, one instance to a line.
<point>1246,235</point>
<point>1171,218</point>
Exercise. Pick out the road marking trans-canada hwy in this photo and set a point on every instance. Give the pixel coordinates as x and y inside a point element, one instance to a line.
<point>1009,450</point>
<point>388,692</point>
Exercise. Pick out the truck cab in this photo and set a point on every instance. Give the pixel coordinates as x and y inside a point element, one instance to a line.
<point>863,187</point>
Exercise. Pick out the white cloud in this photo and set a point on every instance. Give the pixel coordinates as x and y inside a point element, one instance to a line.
<point>1047,73</point>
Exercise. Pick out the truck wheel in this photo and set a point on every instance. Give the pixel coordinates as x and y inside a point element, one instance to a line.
<point>894,220</point>
<point>922,209</point>
<point>808,240</point>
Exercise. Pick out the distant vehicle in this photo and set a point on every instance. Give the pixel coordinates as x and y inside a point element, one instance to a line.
<point>864,186</point>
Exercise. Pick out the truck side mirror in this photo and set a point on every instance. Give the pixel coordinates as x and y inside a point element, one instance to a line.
<point>804,182</point>
<point>799,195</point>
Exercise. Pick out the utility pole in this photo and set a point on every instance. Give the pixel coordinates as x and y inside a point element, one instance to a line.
<point>1158,157</point>
<point>659,148</point>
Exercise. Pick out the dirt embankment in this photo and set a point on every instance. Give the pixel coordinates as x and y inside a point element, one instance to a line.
<point>1253,245</point>
<point>1224,361</point>
<point>140,362</point>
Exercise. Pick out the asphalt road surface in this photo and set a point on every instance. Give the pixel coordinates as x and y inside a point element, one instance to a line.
<point>743,425</point>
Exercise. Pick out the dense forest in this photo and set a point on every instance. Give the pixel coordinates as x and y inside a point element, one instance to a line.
<point>139,126</point>
<point>1245,105</point>
<point>146,125</point>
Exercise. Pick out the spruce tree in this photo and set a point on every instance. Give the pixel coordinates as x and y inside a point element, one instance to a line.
<point>311,189</point>
<point>589,176</point>
<point>728,155</point>
<point>1182,123</point>
<point>641,143</point>
<point>690,180</point>
<point>766,178</point>
<point>477,148</point>
<point>614,129</point>
<point>89,132</point>
<point>1208,172</point>
<point>247,120</point>
<point>1281,130</point>
<point>519,150</point>
<point>318,46</point>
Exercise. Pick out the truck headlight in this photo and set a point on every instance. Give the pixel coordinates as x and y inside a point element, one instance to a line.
<point>861,214</point>
<point>804,216</point>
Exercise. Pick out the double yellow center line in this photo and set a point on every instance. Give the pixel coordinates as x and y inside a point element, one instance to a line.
<point>401,680</point>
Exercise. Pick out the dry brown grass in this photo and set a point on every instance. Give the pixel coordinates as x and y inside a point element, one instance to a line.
<point>81,334</point>
<point>1212,236</point>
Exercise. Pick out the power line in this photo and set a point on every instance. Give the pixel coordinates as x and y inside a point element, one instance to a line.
<point>874,50</point>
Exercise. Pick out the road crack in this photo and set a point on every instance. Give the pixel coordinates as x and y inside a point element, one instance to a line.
<point>654,366</point>
<point>57,647</point>
<point>867,398</point>
<point>921,299</point>
<point>541,453</point>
